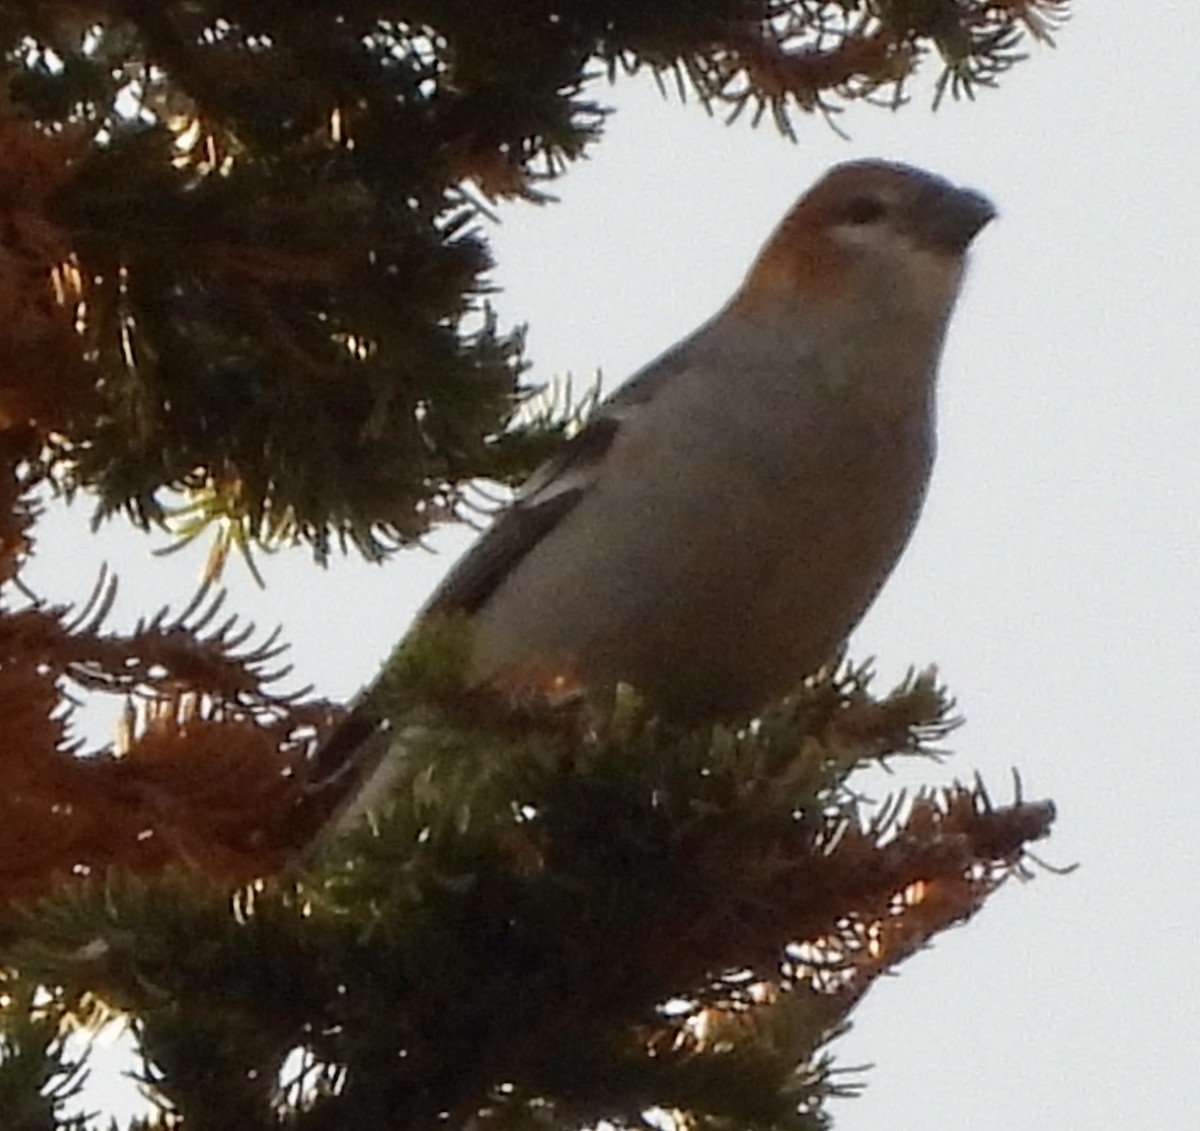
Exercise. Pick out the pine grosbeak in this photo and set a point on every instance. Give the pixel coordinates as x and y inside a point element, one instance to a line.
<point>725,518</point>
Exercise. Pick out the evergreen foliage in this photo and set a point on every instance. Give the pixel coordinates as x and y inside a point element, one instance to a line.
<point>569,916</point>
<point>243,281</point>
<point>247,260</point>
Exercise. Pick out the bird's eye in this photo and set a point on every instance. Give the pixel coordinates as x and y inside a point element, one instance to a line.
<point>864,210</point>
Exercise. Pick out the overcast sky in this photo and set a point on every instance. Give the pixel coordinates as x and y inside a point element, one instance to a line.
<point>1053,577</point>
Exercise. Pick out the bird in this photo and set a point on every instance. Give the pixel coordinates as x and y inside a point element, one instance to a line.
<point>725,518</point>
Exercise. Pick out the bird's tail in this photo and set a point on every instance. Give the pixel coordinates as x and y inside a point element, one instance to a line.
<point>349,774</point>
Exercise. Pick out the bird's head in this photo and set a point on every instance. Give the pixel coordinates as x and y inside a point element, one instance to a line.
<point>871,228</point>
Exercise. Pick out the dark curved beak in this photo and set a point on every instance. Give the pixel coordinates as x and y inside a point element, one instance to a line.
<point>952,217</point>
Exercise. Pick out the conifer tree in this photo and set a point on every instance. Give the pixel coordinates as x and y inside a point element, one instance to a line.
<point>243,279</point>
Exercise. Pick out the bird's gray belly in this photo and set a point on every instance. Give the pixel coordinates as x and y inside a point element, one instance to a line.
<point>709,596</point>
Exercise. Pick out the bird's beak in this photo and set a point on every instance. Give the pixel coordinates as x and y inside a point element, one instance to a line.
<point>955,216</point>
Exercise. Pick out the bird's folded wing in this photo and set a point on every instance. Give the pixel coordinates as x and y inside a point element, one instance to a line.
<point>548,496</point>
<point>351,767</point>
<point>358,761</point>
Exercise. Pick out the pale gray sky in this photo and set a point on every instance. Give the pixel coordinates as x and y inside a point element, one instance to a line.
<point>1054,577</point>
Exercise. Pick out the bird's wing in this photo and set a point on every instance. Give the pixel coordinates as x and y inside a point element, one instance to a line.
<point>353,760</point>
<point>548,496</point>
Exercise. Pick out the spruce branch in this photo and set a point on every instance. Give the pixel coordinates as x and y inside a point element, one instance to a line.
<point>207,763</point>
<point>568,914</point>
<point>39,1075</point>
<point>249,288</point>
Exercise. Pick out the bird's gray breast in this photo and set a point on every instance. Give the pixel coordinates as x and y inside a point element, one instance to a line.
<point>735,534</point>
